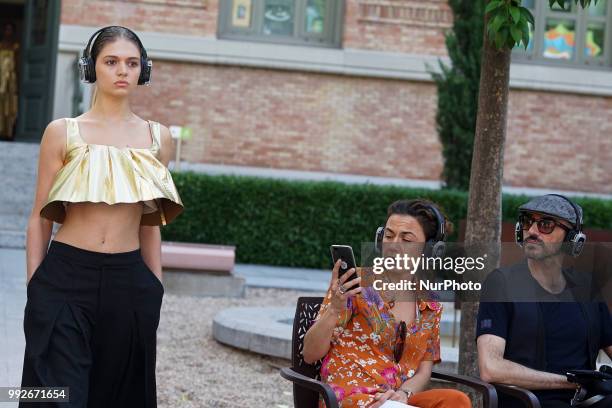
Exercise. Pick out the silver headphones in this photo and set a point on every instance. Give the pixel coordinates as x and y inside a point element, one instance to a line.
<point>574,239</point>
<point>434,247</point>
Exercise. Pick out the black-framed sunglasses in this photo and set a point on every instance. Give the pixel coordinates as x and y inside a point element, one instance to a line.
<point>545,225</point>
<point>400,340</point>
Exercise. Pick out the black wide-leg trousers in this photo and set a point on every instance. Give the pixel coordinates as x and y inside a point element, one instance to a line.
<point>90,324</point>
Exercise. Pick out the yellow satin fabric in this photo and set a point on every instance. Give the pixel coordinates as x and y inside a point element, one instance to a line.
<point>111,174</point>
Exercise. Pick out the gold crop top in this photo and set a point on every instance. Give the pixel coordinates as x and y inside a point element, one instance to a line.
<point>111,174</point>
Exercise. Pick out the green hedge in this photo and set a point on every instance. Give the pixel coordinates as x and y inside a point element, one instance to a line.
<point>293,223</point>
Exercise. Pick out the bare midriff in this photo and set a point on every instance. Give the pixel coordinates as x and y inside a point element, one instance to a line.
<point>102,227</point>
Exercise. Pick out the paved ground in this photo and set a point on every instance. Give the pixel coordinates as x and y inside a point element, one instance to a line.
<point>12,303</point>
<point>194,370</point>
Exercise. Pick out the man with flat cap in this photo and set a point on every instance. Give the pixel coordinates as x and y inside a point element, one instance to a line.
<point>536,319</point>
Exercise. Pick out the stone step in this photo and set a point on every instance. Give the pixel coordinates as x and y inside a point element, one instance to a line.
<point>12,239</point>
<point>18,207</point>
<point>265,276</point>
<point>18,197</point>
<point>189,283</point>
<point>13,222</point>
<point>19,161</point>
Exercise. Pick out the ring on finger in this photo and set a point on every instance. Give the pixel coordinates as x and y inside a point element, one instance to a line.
<point>341,289</point>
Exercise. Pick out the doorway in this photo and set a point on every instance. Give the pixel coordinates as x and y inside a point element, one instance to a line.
<point>28,52</point>
<point>11,29</point>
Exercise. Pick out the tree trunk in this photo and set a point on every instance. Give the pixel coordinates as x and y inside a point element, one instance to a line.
<point>484,207</point>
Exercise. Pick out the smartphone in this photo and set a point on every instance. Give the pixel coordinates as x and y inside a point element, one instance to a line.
<point>344,252</point>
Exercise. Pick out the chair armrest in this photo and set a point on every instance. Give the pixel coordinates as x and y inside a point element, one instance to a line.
<point>526,396</point>
<point>323,389</point>
<point>489,394</point>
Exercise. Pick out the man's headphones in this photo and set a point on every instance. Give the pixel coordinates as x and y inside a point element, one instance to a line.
<point>574,239</point>
<point>87,66</point>
<point>434,247</point>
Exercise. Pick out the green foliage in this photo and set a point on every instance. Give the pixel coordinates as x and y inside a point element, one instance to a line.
<point>509,21</point>
<point>458,92</point>
<point>279,222</point>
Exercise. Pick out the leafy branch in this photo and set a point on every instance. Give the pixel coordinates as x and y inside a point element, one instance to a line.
<point>509,21</point>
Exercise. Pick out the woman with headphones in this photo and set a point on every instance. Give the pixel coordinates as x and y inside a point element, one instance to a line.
<point>94,294</point>
<point>379,347</point>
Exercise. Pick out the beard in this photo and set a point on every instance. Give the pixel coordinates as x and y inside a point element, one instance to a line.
<point>540,250</point>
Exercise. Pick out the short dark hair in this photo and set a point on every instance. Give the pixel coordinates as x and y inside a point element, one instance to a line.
<point>109,35</point>
<point>421,210</point>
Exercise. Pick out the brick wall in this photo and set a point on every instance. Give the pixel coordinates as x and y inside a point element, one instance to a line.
<point>559,141</point>
<point>306,121</point>
<point>190,17</point>
<point>411,26</point>
<point>301,121</point>
<point>257,117</point>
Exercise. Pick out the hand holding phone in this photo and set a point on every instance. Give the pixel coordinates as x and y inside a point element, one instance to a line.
<point>338,285</point>
<point>344,255</point>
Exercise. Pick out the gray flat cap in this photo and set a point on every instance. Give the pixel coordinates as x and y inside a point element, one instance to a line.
<point>552,205</point>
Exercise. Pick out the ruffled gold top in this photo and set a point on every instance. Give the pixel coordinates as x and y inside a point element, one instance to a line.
<point>111,174</point>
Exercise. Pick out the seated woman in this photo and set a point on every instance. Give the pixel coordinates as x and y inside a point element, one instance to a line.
<point>377,349</point>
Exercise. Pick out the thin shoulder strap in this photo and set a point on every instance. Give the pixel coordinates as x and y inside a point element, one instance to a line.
<point>154,127</point>
<point>72,133</point>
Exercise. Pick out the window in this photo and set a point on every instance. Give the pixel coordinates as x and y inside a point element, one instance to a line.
<point>570,36</point>
<point>306,22</point>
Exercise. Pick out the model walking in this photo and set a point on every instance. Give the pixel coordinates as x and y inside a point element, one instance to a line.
<point>95,293</point>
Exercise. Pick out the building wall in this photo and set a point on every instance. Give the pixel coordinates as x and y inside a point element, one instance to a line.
<point>190,17</point>
<point>348,124</point>
<point>559,141</point>
<point>409,26</point>
<point>257,117</point>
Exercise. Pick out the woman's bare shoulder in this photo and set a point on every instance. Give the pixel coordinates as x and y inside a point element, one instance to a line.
<point>54,137</point>
<point>56,129</point>
<point>165,144</point>
<point>165,133</point>
<point>163,130</point>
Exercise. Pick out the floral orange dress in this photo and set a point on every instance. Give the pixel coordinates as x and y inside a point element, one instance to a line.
<point>360,360</point>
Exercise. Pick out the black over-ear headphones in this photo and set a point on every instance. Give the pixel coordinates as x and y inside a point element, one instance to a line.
<point>434,247</point>
<point>574,239</point>
<point>87,67</point>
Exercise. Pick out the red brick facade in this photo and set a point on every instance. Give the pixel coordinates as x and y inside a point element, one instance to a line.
<point>304,121</point>
<point>190,17</point>
<point>410,26</point>
<point>356,125</point>
<point>559,141</point>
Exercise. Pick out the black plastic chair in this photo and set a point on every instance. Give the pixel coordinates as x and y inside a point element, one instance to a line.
<point>307,385</point>
<point>527,397</point>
